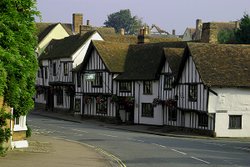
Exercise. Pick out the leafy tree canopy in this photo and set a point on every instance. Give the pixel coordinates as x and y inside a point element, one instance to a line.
<point>226,36</point>
<point>243,33</point>
<point>18,64</point>
<point>124,19</point>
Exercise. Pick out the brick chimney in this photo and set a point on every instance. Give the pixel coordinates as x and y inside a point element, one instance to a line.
<point>173,32</point>
<point>142,36</point>
<point>77,22</point>
<point>198,24</point>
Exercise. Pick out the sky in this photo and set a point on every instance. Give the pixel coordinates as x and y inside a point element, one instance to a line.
<point>167,14</point>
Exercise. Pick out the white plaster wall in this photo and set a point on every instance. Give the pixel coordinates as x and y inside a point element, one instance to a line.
<point>141,98</point>
<point>79,55</point>
<point>57,33</point>
<point>230,101</point>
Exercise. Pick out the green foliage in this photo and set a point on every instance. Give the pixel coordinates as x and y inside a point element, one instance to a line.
<point>3,117</point>
<point>226,36</point>
<point>243,33</point>
<point>17,55</point>
<point>124,19</point>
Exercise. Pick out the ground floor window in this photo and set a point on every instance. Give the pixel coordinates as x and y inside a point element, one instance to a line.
<point>172,114</point>
<point>77,105</point>
<point>203,120</point>
<point>147,110</point>
<point>235,121</point>
<point>101,105</point>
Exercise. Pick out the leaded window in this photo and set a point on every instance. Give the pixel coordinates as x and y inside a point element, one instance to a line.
<point>125,86</point>
<point>147,110</point>
<point>147,87</point>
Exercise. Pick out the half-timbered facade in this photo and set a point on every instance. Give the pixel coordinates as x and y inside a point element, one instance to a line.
<point>104,61</point>
<point>213,88</point>
<point>57,63</point>
<point>147,68</point>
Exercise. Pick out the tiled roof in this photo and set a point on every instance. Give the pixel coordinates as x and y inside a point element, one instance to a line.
<point>222,65</point>
<point>145,61</point>
<point>43,29</point>
<point>65,48</point>
<point>173,57</point>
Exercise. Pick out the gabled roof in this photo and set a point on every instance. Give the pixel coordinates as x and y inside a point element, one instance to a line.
<point>43,29</point>
<point>221,65</point>
<point>65,48</point>
<point>145,61</point>
<point>112,54</point>
<point>159,30</point>
<point>174,57</point>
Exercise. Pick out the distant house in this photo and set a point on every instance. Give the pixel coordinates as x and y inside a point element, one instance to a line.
<point>57,62</point>
<point>193,34</point>
<point>214,89</point>
<point>188,34</point>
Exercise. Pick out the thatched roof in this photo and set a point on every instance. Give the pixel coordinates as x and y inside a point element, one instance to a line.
<point>65,48</point>
<point>221,65</point>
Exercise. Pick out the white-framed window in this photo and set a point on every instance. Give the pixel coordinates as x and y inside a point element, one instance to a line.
<point>20,123</point>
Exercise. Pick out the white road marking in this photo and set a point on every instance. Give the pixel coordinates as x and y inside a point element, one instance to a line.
<point>139,140</point>
<point>243,148</point>
<point>83,131</point>
<point>201,160</point>
<point>159,145</point>
<point>108,135</point>
<point>178,151</point>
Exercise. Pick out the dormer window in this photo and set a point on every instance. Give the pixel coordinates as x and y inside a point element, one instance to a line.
<point>168,81</point>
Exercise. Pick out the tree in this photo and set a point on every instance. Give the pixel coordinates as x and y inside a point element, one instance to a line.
<point>226,36</point>
<point>243,33</point>
<point>124,19</point>
<point>17,54</point>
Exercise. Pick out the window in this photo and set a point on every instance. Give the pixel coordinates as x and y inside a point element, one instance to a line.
<point>101,105</point>
<point>168,82</point>
<point>192,92</point>
<point>235,121</point>
<point>59,97</point>
<point>98,80</point>
<point>147,87</point>
<point>17,121</point>
<point>203,120</point>
<point>125,86</point>
<point>65,69</point>
<point>77,105</point>
<point>147,110</point>
<point>54,69</point>
<point>78,79</point>
<point>46,72</point>
<point>172,114</point>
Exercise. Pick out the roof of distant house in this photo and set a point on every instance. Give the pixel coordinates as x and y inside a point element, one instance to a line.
<point>221,65</point>
<point>65,48</point>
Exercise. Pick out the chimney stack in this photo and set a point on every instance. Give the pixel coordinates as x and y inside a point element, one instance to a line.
<point>173,32</point>
<point>122,31</point>
<point>88,22</point>
<point>142,37</point>
<point>198,24</point>
<point>77,22</point>
<point>237,24</point>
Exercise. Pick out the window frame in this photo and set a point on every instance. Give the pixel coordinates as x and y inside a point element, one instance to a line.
<point>65,69</point>
<point>168,81</point>
<point>232,124</point>
<point>127,85</point>
<point>147,87</point>
<point>149,107</point>
<point>98,82</point>
<point>192,92</point>
<point>59,97</point>
<point>203,119</point>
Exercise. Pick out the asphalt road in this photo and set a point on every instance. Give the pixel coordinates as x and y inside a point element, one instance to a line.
<point>147,150</point>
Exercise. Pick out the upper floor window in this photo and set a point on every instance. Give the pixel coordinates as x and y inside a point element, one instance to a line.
<point>65,69</point>
<point>78,79</point>
<point>147,110</point>
<point>192,92</point>
<point>46,72</point>
<point>125,86</point>
<point>54,69</point>
<point>147,87</point>
<point>98,80</point>
<point>235,121</point>
<point>168,81</point>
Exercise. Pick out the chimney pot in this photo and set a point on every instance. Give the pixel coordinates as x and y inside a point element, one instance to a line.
<point>88,22</point>
<point>198,24</point>
<point>173,32</point>
<point>122,31</point>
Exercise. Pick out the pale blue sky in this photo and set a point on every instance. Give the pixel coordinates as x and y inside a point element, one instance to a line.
<point>167,14</point>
